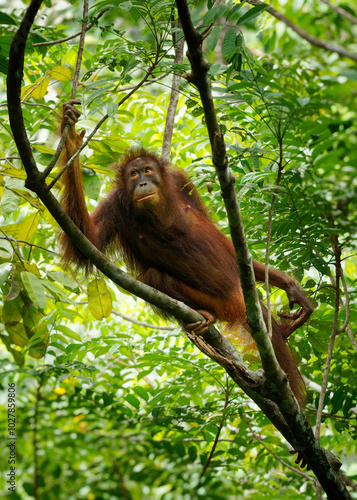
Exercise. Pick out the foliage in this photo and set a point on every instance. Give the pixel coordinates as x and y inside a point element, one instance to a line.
<point>107,408</point>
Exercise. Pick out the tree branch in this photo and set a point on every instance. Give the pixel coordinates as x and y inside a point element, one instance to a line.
<point>297,427</point>
<point>276,378</point>
<point>331,47</point>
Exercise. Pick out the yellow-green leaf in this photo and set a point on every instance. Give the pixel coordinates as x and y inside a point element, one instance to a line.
<point>99,299</point>
<point>26,91</point>
<point>60,73</point>
<point>44,149</point>
<point>36,90</point>
<point>28,228</point>
<point>40,91</point>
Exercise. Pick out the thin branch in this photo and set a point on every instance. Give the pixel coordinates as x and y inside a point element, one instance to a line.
<point>270,221</point>
<point>337,253</point>
<point>275,455</point>
<point>124,89</point>
<point>342,12</point>
<point>347,322</point>
<point>347,306</point>
<point>214,445</point>
<point>142,323</point>
<point>62,40</point>
<point>331,47</point>
<point>65,131</point>
<point>80,50</point>
<point>171,110</point>
<point>7,158</point>
<point>9,238</point>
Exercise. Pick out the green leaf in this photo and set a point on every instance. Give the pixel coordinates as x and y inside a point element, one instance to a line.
<point>63,279</point>
<point>34,289</point>
<point>192,453</point>
<point>133,401</point>
<point>233,12</point>
<point>213,14</point>
<point>6,19</point>
<point>338,399</point>
<point>91,183</point>
<point>252,13</point>
<point>9,201</point>
<point>68,332</point>
<point>229,43</point>
<point>5,270</point>
<point>99,299</point>
<point>140,391</point>
<point>3,64</point>
<point>214,37</point>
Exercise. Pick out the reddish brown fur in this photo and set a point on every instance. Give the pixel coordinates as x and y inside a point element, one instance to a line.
<point>178,251</point>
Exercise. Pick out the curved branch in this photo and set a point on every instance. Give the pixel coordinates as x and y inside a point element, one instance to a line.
<point>219,346</point>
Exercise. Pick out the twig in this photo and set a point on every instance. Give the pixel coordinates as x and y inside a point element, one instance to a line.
<point>43,106</point>
<point>7,158</point>
<point>15,250</point>
<point>306,36</point>
<point>124,89</point>
<point>347,322</point>
<point>346,306</point>
<point>9,238</point>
